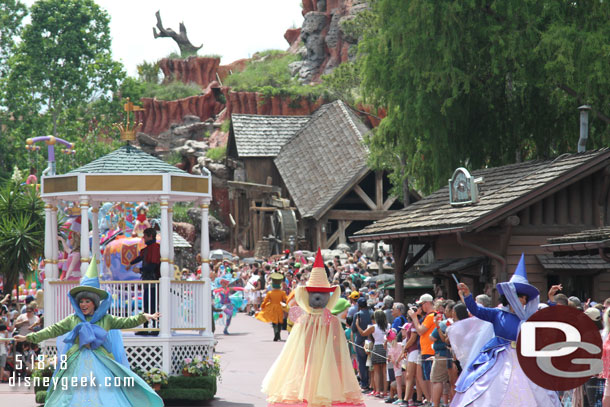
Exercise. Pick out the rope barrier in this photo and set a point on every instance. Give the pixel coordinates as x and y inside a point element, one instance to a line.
<point>420,356</point>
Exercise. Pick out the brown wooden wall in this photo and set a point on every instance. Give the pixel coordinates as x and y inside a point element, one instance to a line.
<point>571,209</point>
<point>258,169</point>
<point>574,205</point>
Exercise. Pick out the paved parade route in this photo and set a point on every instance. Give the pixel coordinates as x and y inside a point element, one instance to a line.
<point>246,355</point>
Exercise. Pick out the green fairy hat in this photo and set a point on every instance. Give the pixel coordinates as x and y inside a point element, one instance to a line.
<point>341,305</point>
<point>90,282</point>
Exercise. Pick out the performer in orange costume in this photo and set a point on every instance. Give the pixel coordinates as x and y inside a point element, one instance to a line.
<point>272,308</point>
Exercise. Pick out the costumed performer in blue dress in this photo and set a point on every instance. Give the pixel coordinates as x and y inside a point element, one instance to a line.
<point>93,348</point>
<point>494,377</point>
<point>227,302</point>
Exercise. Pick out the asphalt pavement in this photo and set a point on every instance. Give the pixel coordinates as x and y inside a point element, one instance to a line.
<point>246,356</point>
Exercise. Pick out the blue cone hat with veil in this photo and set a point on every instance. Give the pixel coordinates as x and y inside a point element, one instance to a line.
<point>519,280</point>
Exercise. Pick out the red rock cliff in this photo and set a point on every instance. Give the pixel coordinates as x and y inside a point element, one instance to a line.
<point>199,70</point>
<point>158,115</point>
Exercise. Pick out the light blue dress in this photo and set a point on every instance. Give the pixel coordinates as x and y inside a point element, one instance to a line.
<point>96,373</point>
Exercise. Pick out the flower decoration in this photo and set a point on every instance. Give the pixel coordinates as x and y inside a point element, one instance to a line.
<point>155,375</point>
<point>202,366</point>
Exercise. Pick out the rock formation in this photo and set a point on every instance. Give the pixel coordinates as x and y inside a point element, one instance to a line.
<point>256,103</point>
<point>327,44</point>
<point>200,70</point>
<point>158,115</point>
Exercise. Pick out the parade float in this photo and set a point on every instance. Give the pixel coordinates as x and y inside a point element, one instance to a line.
<point>129,175</point>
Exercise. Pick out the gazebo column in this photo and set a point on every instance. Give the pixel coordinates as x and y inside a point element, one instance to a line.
<point>95,233</point>
<point>205,266</point>
<point>85,254</point>
<point>164,283</point>
<point>55,255</point>
<point>170,225</point>
<point>49,298</point>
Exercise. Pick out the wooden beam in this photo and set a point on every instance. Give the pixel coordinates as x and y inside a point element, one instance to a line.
<point>363,195</point>
<point>269,208</point>
<point>345,214</point>
<point>318,231</point>
<point>333,238</point>
<point>343,225</point>
<point>324,242</point>
<point>389,202</point>
<point>379,189</point>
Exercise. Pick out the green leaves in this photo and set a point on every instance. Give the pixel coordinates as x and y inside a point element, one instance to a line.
<point>481,83</point>
<point>21,231</point>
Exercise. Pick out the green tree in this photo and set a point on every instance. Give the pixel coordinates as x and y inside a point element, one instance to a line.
<point>482,83</point>
<point>12,13</point>
<point>22,227</point>
<point>62,62</point>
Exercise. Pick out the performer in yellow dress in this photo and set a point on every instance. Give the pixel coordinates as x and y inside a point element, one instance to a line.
<point>314,368</point>
<point>272,308</point>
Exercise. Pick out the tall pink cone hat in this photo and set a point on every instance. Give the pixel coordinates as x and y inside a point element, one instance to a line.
<point>318,282</point>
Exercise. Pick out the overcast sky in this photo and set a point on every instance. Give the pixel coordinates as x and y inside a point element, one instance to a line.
<point>233,29</point>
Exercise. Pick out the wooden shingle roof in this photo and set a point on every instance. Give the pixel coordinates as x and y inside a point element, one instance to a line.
<point>505,189</point>
<point>263,136</point>
<point>591,235</point>
<point>324,160</point>
<point>127,159</point>
<point>550,262</point>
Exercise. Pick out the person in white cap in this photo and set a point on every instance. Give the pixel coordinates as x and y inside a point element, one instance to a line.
<point>424,329</point>
<point>314,367</point>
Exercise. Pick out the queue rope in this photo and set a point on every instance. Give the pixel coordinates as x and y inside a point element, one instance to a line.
<point>384,357</point>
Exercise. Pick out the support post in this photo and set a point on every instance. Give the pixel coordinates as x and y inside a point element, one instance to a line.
<point>205,267</point>
<point>170,225</point>
<point>49,299</point>
<point>55,249</point>
<point>85,254</point>
<point>95,233</point>
<point>164,282</point>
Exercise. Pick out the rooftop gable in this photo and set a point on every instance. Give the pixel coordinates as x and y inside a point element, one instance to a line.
<point>324,159</point>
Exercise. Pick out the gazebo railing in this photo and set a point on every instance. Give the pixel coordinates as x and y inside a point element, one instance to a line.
<point>186,298</point>
<point>187,305</point>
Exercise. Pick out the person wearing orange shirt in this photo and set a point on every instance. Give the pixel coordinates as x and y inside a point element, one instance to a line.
<point>272,308</point>
<point>424,329</point>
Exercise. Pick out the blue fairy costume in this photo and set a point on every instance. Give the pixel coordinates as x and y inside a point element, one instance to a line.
<point>494,377</point>
<point>94,354</point>
<point>226,302</point>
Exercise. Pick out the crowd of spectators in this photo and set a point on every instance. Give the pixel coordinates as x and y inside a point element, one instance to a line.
<point>18,319</point>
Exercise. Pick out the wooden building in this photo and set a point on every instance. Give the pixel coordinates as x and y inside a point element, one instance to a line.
<point>589,253</point>
<point>519,207</point>
<point>254,142</point>
<point>324,168</point>
<point>319,163</point>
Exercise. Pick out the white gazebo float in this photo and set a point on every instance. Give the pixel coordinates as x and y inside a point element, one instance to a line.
<point>129,175</point>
